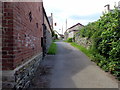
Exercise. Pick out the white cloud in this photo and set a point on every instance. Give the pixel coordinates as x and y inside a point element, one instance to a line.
<point>64,9</point>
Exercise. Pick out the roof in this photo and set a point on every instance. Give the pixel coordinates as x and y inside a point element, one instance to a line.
<point>61,35</point>
<point>76,25</point>
<point>50,19</point>
<point>47,18</point>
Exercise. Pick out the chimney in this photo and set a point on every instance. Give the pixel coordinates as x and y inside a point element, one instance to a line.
<point>52,15</point>
<point>108,6</point>
<point>52,20</point>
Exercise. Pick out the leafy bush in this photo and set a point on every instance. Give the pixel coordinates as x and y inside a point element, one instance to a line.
<point>105,35</point>
<point>69,39</point>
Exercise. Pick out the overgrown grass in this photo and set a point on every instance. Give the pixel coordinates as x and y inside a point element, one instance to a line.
<point>53,49</point>
<point>83,49</point>
<point>56,40</point>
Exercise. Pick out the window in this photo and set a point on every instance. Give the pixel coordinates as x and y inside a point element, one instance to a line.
<point>41,41</point>
<point>37,25</point>
<point>39,8</point>
<point>30,16</point>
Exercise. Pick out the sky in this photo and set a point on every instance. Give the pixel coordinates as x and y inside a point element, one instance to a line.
<point>75,11</point>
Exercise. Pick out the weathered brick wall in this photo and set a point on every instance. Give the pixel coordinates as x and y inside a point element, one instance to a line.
<point>48,33</point>
<point>21,37</point>
<point>0,45</point>
<point>28,22</point>
<point>7,37</point>
<point>21,42</point>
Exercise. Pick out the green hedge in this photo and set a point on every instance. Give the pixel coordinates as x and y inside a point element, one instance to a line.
<point>105,35</point>
<point>69,39</point>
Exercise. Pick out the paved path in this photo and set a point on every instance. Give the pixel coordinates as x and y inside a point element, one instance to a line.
<point>74,70</point>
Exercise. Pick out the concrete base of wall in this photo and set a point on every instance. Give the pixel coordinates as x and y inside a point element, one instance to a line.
<point>21,76</point>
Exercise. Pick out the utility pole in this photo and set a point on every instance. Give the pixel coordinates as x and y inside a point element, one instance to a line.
<point>62,29</point>
<point>66,24</point>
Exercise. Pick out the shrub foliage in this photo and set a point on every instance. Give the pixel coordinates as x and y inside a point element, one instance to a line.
<point>69,39</point>
<point>105,35</point>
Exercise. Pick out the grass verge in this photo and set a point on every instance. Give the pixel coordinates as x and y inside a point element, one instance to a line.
<point>56,40</point>
<point>81,48</point>
<point>53,49</point>
<point>98,59</point>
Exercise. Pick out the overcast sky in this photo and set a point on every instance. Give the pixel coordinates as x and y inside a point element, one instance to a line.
<point>75,11</point>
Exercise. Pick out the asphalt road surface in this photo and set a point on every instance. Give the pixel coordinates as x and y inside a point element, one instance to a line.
<point>73,69</point>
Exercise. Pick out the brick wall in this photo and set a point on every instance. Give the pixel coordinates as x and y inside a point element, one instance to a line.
<point>22,32</point>
<point>21,42</point>
<point>28,22</point>
<point>0,45</point>
<point>48,33</point>
<point>7,37</point>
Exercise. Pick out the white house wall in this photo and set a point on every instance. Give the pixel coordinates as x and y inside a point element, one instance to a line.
<point>71,33</point>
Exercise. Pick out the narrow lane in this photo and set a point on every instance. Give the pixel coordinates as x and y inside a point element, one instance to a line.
<point>73,69</point>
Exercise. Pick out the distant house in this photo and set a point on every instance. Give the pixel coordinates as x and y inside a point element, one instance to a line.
<point>61,36</point>
<point>70,32</point>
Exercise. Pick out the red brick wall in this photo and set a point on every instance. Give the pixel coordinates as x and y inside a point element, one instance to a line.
<point>7,36</point>
<point>22,38</point>
<point>0,36</point>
